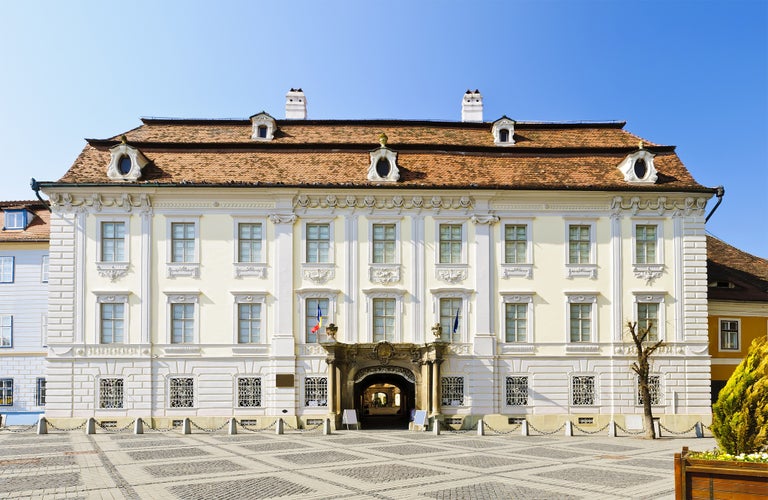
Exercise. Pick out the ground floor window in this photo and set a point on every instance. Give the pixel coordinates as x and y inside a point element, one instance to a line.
<point>517,391</point>
<point>6,392</point>
<point>452,391</point>
<point>181,392</point>
<point>40,393</point>
<point>111,393</point>
<point>654,387</point>
<point>248,391</point>
<point>583,390</point>
<point>316,391</point>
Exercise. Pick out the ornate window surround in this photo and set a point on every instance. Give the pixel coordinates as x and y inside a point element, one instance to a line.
<point>185,297</point>
<point>513,297</point>
<point>110,269</point>
<point>384,293</point>
<point>385,273</point>
<point>465,295</point>
<point>644,297</point>
<point>627,167</point>
<point>318,272</point>
<point>111,297</point>
<point>266,120</point>
<point>249,269</point>
<point>383,153</point>
<point>316,293</point>
<point>248,298</point>
<point>182,269</point>
<point>138,162</point>
<point>582,298</point>
<point>588,270</point>
<point>523,270</point>
<point>451,273</point>
<point>503,123</point>
<point>653,271</point>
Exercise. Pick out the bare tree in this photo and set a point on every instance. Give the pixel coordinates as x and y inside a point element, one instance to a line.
<point>642,367</point>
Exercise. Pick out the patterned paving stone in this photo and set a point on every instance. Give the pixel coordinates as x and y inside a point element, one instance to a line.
<point>274,446</point>
<point>239,438</point>
<point>492,490</point>
<point>320,457</point>
<point>36,462</point>
<point>148,443</point>
<point>617,479</point>
<point>35,440</point>
<point>544,452</point>
<point>194,468</point>
<point>354,441</point>
<point>167,453</point>
<point>648,463</point>
<point>262,487</point>
<point>392,472</point>
<point>39,482</point>
<point>34,450</point>
<point>409,449</point>
<point>482,461</point>
<point>479,443</point>
<point>602,446</point>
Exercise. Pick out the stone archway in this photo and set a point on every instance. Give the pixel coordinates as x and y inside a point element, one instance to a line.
<point>384,396</point>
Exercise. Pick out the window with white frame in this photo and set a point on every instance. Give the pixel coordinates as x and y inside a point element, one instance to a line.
<point>318,243</point>
<point>111,393</point>
<point>646,244</point>
<point>516,244</point>
<point>113,241</point>
<point>248,392</point>
<point>648,319</point>
<point>6,392</point>
<point>730,338</point>
<point>6,269</point>
<point>582,390</point>
<point>451,319</point>
<point>112,325</point>
<point>516,322</point>
<point>384,318</point>
<point>182,323</point>
<point>450,243</point>
<point>582,317</point>
<point>384,243</point>
<point>249,242</point>
<point>40,392</point>
<point>654,388</point>
<point>517,390</point>
<point>181,392</point>
<point>249,323</point>
<point>6,331</point>
<point>452,391</point>
<point>15,219</point>
<point>315,317</point>
<point>183,242</point>
<point>44,269</point>
<point>315,391</point>
<point>580,244</point>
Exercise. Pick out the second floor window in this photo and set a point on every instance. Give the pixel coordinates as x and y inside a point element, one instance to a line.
<point>450,319</point>
<point>183,242</point>
<point>113,242</point>
<point>318,243</point>
<point>182,323</point>
<point>315,317</point>
<point>384,319</point>
<point>249,323</point>
<point>6,331</point>
<point>516,322</point>
<point>515,244</point>
<point>648,315</point>
<point>384,243</point>
<point>578,244</point>
<point>112,323</point>
<point>6,269</point>
<point>249,239</point>
<point>581,322</point>
<point>450,243</point>
<point>645,244</point>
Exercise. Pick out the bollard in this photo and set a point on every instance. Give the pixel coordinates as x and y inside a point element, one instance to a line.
<point>279,426</point>
<point>42,426</point>
<point>612,429</point>
<point>327,427</point>
<point>186,428</point>
<point>232,426</point>
<point>138,426</point>
<point>699,430</point>
<point>657,427</point>
<point>435,426</point>
<point>90,426</point>
<point>524,428</point>
<point>480,428</point>
<point>569,428</point>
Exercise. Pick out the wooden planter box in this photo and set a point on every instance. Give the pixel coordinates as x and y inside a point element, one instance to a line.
<point>708,479</point>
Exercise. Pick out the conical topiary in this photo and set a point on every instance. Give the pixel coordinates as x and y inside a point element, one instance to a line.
<point>740,415</point>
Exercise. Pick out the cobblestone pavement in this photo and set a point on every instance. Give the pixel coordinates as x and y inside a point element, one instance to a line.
<point>346,464</point>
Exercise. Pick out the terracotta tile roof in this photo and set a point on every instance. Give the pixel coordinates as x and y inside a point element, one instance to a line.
<point>727,264</point>
<point>39,226</point>
<point>430,155</point>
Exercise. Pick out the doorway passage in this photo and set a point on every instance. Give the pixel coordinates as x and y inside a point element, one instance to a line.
<point>384,401</point>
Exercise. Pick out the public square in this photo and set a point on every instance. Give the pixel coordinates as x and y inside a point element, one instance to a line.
<point>349,464</point>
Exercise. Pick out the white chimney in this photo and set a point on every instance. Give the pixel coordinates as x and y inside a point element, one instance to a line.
<point>295,105</point>
<point>472,107</point>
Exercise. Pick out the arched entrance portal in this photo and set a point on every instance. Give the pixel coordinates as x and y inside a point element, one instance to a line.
<point>384,399</point>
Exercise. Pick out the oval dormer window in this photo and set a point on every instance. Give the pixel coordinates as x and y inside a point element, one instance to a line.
<point>124,165</point>
<point>383,167</point>
<point>640,168</point>
<point>503,135</point>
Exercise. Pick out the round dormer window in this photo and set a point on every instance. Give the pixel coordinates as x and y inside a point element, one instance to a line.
<point>124,164</point>
<point>383,168</point>
<point>640,168</point>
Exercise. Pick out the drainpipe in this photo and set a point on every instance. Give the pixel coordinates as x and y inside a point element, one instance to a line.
<point>720,192</point>
<point>36,188</point>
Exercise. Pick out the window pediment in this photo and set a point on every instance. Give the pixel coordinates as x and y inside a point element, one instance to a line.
<point>126,163</point>
<point>503,131</point>
<point>638,167</point>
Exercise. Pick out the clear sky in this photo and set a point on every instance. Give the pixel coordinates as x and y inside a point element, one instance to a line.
<point>693,74</point>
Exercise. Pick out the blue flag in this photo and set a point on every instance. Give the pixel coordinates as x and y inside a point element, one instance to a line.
<point>456,321</point>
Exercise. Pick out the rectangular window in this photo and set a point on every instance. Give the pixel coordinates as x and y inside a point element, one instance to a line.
<point>578,244</point>
<point>654,387</point>
<point>315,320</point>
<point>583,390</point>
<point>729,335</point>
<point>248,392</point>
<point>517,391</point>
<point>384,320</point>
<point>40,392</point>
<point>182,242</point>
<point>112,323</point>
<point>6,392</point>
<point>6,331</point>
<point>6,269</point>
<point>15,219</point>
<point>645,244</point>
<point>450,319</point>
<point>515,244</point>
<point>318,243</point>
<point>516,322</point>
<point>44,269</point>
<point>450,243</point>
<point>452,391</point>
<point>648,315</point>
<point>315,391</point>
<point>249,239</point>
<point>113,242</point>
<point>182,323</point>
<point>249,323</point>
<point>111,393</point>
<point>384,243</point>
<point>581,322</point>
<point>181,392</point>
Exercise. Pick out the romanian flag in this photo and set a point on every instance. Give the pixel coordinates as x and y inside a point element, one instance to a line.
<point>456,321</point>
<point>319,319</point>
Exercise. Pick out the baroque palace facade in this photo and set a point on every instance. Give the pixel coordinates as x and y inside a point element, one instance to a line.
<point>297,268</point>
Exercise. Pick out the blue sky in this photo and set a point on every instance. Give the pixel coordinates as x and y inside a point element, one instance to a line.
<point>688,73</point>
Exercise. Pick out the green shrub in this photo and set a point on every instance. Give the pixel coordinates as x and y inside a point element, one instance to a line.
<point>740,415</point>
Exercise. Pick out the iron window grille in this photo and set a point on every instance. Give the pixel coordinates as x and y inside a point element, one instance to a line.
<point>248,392</point>
<point>452,391</point>
<point>316,391</point>
<point>517,391</point>
<point>40,392</point>
<point>111,393</point>
<point>181,392</point>
<point>583,390</point>
<point>6,392</point>
<point>654,388</point>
